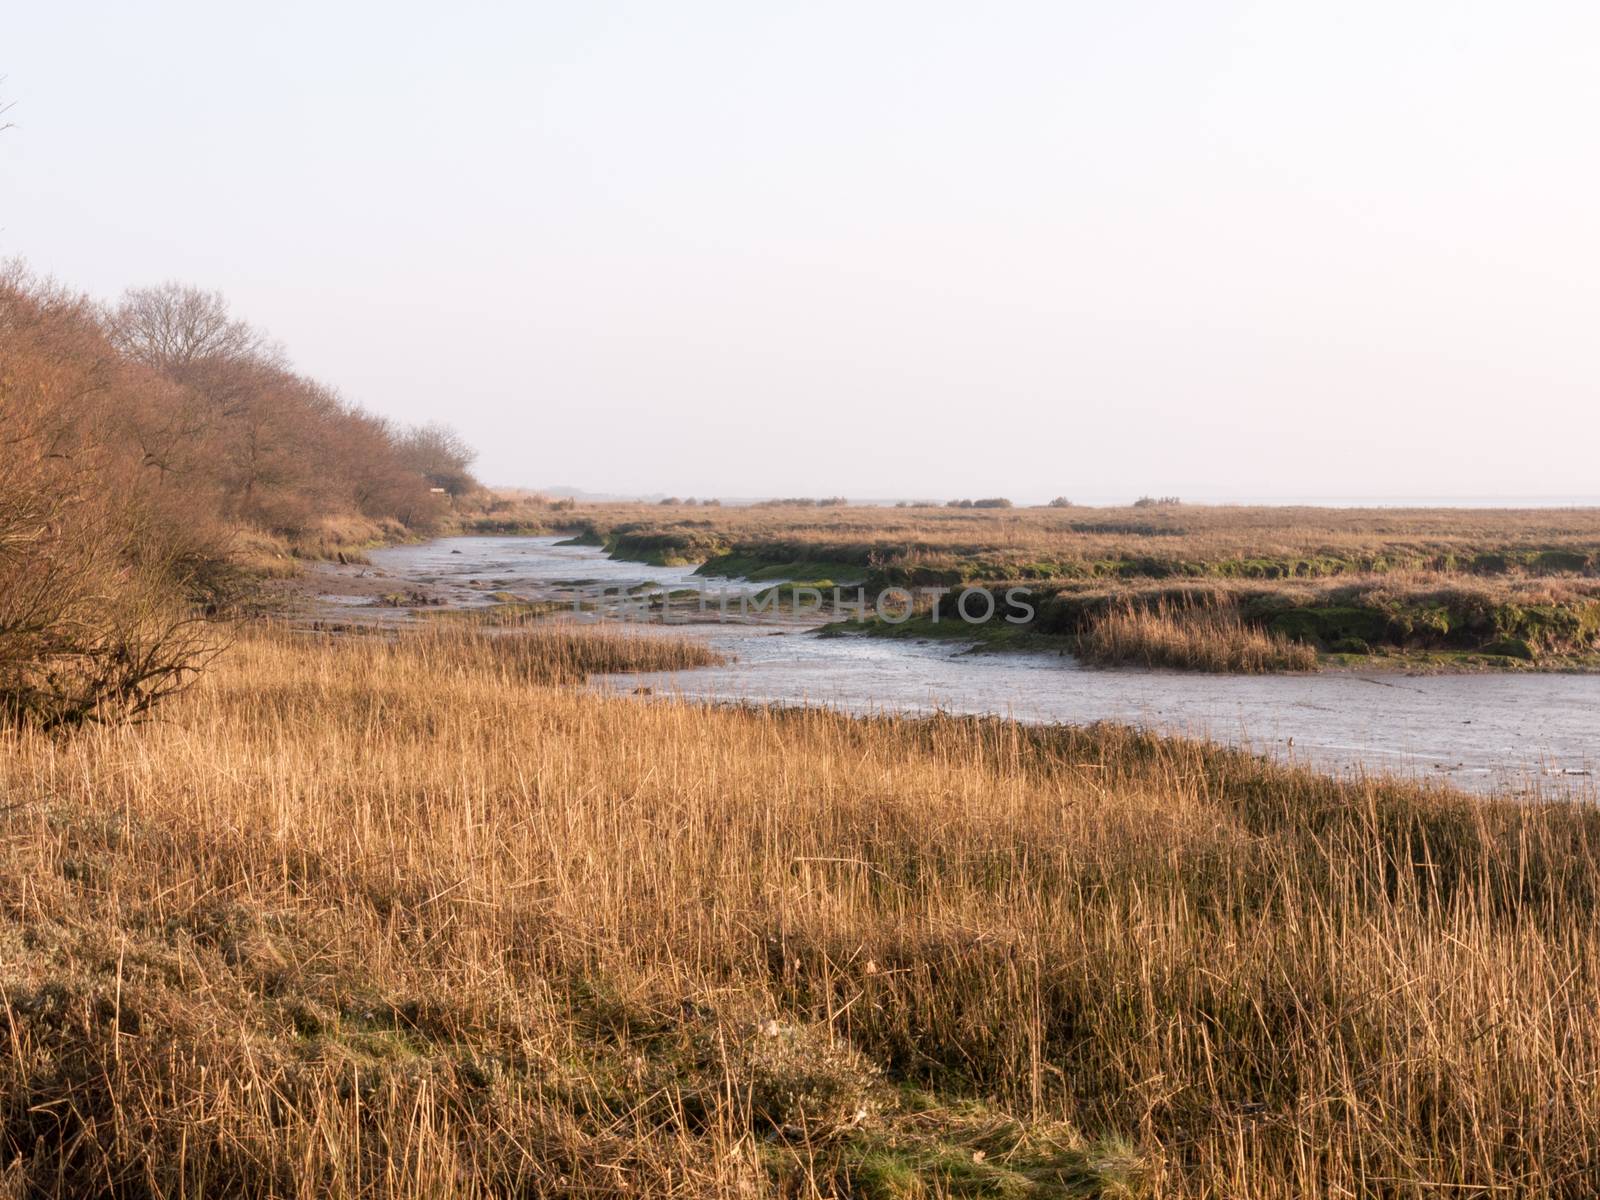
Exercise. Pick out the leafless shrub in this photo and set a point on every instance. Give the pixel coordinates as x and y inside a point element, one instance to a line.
<point>102,568</point>
<point>94,623</point>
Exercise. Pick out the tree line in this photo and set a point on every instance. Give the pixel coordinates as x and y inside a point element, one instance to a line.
<point>138,442</point>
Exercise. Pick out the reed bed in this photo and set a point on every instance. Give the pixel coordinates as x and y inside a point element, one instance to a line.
<point>1192,636</point>
<point>525,649</point>
<point>366,918</point>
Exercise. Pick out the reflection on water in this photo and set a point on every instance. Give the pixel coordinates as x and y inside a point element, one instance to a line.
<point>1481,731</point>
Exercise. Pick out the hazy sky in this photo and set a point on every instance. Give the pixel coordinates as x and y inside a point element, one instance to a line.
<point>873,248</point>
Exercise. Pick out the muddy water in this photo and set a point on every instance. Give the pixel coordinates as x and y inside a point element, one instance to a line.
<point>1525,732</point>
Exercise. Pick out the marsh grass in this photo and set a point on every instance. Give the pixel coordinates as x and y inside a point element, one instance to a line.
<point>1196,635</point>
<point>522,647</point>
<point>944,546</point>
<point>365,917</point>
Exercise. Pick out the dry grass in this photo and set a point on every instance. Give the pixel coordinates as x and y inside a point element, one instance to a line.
<point>1394,588</point>
<point>365,918</point>
<point>533,651</point>
<point>1018,542</point>
<point>1194,636</point>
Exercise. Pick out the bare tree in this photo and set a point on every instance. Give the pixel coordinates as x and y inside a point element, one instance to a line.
<point>171,327</point>
<point>441,456</point>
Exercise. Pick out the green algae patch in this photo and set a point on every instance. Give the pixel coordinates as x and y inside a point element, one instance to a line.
<point>797,572</point>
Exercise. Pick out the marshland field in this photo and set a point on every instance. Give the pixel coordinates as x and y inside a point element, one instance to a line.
<point>348,852</point>
<point>414,915</point>
<point>399,907</point>
<point>1169,584</point>
<point>564,679</point>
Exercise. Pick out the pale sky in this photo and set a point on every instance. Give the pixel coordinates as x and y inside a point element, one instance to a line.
<point>875,248</point>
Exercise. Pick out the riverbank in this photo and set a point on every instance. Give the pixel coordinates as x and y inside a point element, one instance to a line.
<point>1532,733</point>
<point>1424,590</point>
<point>1206,651</point>
<point>1418,590</point>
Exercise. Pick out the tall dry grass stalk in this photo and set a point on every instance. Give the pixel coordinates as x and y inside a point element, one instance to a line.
<point>1198,635</point>
<point>374,919</point>
<point>533,651</point>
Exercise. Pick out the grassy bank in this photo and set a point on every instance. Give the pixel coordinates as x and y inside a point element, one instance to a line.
<point>1416,621</point>
<point>393,918</point>
<point>933,546</point>
<point>1419,619</point>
